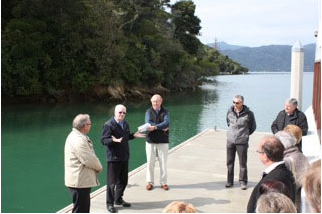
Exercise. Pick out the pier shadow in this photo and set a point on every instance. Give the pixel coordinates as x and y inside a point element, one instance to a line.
<point>196,202</point>
<point>218,185</point>
<point>132,185</point>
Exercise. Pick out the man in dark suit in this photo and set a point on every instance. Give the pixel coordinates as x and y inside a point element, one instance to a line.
<point>116,136</point>
<point>270,152</point>
<point>290,115</point>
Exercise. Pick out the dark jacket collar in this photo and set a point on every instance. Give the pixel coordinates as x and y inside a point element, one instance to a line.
<point>115,123</point>
<point>294,115</point>
<point>243,111</point>
<point>158,111</point>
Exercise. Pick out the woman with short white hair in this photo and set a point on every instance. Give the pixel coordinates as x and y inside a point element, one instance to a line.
<point>274,202</point>
<point>295,161</point>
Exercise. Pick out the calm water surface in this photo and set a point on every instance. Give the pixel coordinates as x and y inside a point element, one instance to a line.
<point>33,136</point>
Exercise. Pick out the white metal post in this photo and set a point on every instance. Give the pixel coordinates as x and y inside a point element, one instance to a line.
<point>297,72</point>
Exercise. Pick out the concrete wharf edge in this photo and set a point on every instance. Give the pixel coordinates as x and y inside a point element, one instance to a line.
<point>197,174</point>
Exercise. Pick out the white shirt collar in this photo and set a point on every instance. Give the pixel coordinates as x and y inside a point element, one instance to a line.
<point>273,166</point>
<point>119,122</point>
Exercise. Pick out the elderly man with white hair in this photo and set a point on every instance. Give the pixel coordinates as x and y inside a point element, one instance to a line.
<point>81,164</point>
<point>290,115</point>
<point>295,161</point>
<point>157,141</point>
<point>116,135</point>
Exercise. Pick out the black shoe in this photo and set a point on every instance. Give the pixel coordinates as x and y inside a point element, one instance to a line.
<point>123,203</point>
<point>228,185</point>
<point>111,209</point>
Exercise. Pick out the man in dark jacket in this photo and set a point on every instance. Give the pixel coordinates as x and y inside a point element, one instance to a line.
<point>241,123</point>
<point>271,151</point>
<point>157,141</point>
<point>116,136</point>
<point>290,115</point>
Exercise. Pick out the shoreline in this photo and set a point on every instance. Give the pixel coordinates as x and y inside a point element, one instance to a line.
<point>103,94</point>
<point>99,94</point>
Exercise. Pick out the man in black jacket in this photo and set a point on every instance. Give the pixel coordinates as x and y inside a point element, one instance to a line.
<point>116,136</point>
<point>270,152</point>
<point>290,115</point>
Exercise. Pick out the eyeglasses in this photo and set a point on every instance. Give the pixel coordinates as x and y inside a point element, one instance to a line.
<point>237,103</point>
<point>260,152</point>
<point>122,112</point>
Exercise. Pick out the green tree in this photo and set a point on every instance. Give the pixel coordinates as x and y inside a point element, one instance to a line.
<point>58,47</point>
<point>23,39</point>
<point>187,25</point>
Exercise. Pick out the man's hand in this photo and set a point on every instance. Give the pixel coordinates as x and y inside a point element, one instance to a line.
<point>117,140</point>
<point>138,134</point>
<point>151,128</point>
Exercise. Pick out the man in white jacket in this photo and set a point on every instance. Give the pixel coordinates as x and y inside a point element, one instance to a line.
<point>81,164</point>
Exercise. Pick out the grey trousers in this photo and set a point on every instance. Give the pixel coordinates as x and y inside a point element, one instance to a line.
<point>241,150</point>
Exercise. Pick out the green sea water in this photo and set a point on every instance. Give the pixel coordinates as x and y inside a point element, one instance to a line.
<point>33,136</point>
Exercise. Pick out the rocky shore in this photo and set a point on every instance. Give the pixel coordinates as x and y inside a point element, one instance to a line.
<point>98,94</point>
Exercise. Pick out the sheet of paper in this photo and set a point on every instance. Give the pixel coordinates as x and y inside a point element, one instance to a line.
<point>144,127</point>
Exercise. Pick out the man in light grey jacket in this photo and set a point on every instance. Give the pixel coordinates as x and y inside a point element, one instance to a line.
<point>81,164</point>
<point>241,123</point>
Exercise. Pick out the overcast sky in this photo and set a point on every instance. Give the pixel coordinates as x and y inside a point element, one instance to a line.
<point>258,22</point>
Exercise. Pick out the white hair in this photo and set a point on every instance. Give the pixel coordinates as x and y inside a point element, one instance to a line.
<point>119,107</point>
<point>287,139</point>
<point>292,101</point>
<point>80,121</point>
<point>274,202</point>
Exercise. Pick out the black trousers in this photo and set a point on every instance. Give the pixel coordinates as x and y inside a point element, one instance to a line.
<point>117,178</point>
<point>81,199</point>
<point>241,150</point>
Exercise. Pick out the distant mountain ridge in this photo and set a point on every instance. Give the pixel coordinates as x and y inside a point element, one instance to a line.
<point>266,58</point>
<point>225,46</point>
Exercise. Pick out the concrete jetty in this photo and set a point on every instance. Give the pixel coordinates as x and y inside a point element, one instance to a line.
<point>196,174</point>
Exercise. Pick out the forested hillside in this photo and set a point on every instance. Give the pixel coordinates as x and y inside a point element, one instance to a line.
<point>55,50</point>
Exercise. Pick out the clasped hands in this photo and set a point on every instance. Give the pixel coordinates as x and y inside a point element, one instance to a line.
<point>152,128</point>
<point>117,140</point>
